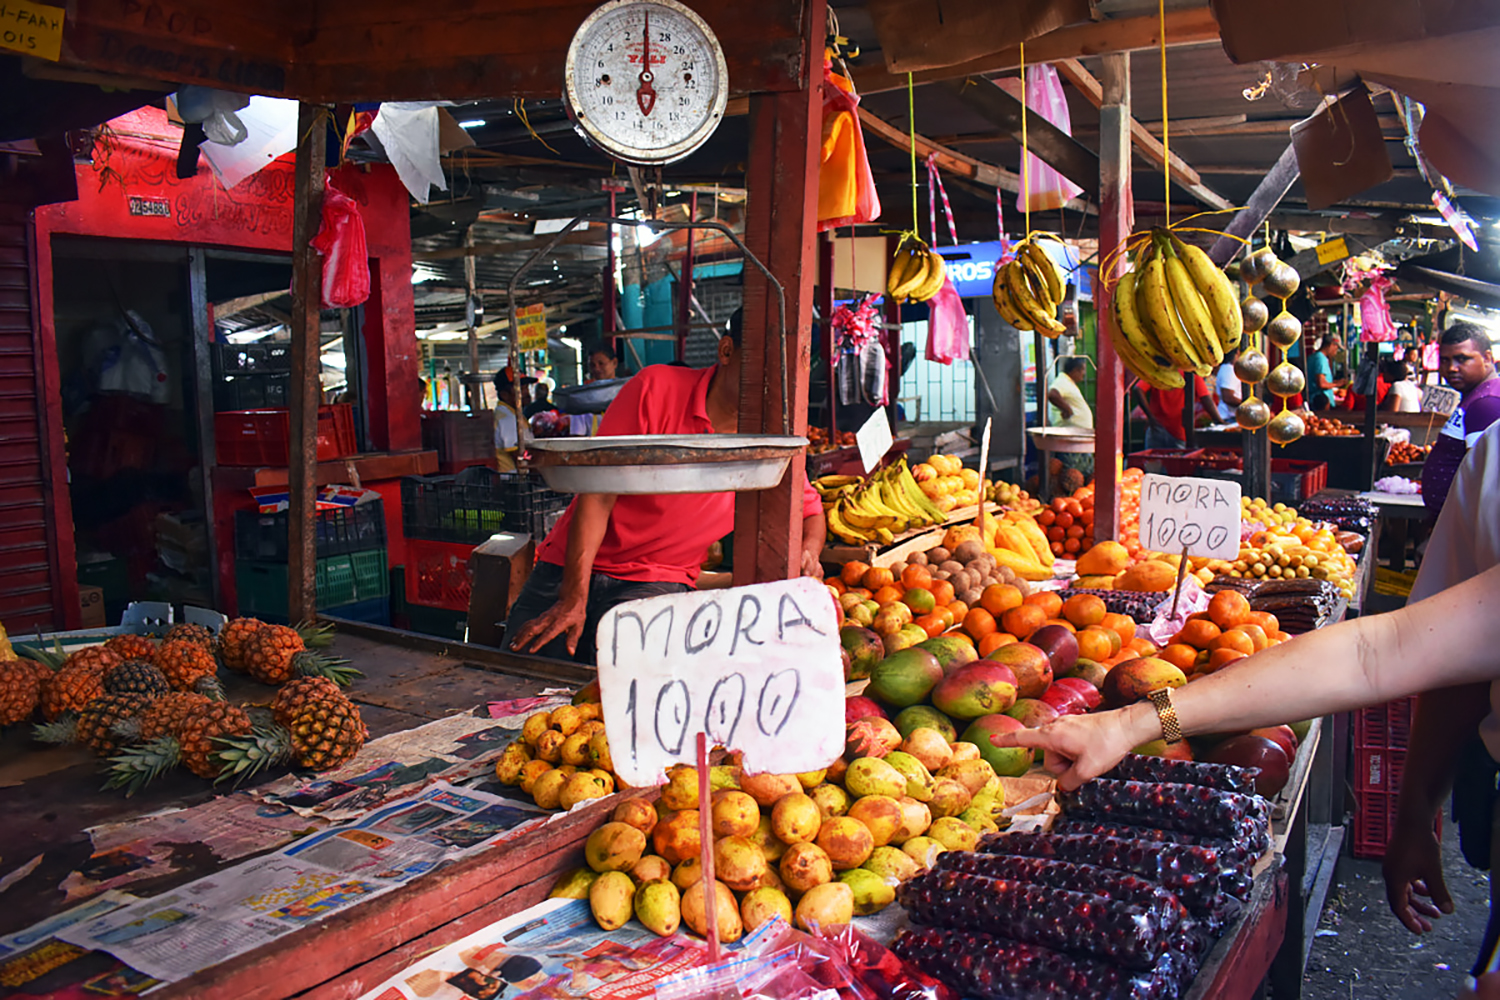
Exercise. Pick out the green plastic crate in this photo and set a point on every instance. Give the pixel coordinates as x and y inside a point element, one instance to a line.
<point>345,579</point>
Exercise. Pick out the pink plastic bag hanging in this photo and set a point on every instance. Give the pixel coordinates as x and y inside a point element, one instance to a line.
<point>1375,325</point>
<point>947,326</point>
<point>341,241</point>
<point>1048,188</point>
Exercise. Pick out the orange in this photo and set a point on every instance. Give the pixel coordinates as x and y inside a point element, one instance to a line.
<point>1220,658</point>
<point>942,591</point>
<point>1084,609</point>
<point>994,641</point>
<point>1228,608</point>
<point>1257,635</point>
<point>837,585</point>
<point>1140,647</point>
<point>853,572</point>
<point>887,595</point>
<point>1234,639</point>
<point>1094,644</point>
<point>1267,621</point>
<point>878,576</point>
<point>920,601</point>
<point>1110,636</point>
<point>1180,655</point>
<point>1121,625</point>
<point>959,609</point>
<point>945,616</point>
<point>1073,546</point>
<point>1279,637</point>
<point>1198,634</point>
<point>916,576</point>
<point>979,623</point>
<point>1061,621</point>
<point>999,598</point>
<point>932,625</point>
<point>1048,601</point>
<point>1022,621</point>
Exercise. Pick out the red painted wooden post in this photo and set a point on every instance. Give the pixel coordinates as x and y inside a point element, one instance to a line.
<point>1116,219</point>
<point>782,185</point>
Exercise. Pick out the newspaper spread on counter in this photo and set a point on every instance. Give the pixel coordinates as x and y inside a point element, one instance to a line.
<point>207,921</point>
<point>554,950</point>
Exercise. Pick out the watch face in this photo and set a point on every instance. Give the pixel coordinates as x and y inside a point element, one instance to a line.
<point>646,80</point>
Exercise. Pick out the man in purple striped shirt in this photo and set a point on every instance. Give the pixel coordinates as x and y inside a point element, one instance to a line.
<point>1467,365</point>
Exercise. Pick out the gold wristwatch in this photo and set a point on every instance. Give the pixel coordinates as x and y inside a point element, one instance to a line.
<point>1171,731</point>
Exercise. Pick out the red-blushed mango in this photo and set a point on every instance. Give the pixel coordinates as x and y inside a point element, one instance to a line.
<point>981,687</point>
<point>1031,666</point>
<point>951,652</point>
<point>905,678</point>
<point>1132,680</point>
<point>1008,762</point>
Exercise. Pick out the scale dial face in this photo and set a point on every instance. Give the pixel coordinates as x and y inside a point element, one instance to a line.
<point>646,80</point>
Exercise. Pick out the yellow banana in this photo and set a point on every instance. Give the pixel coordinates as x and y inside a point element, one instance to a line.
<point>1025,300</point>
<point>906,485</point>
<point>1218,294</point>
<point>1155,375</point>
<point>1154,306</point>
<point>843,531</point>
<point>1192,311</point>
<point>863,518</point>
<point>921,271</point>
<point>937,274</point>
<point>1004,306</point>
<point>902,266</point>
<point>1127,322</point>
<point>1042,268</point>
<point>871,503</point>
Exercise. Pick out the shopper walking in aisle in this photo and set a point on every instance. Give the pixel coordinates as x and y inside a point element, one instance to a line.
<point>1361,662</point>
<point>507,403</point>
<point>1164,416</point>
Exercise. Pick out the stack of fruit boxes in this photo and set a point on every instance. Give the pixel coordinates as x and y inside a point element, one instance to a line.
<point>351,576</point>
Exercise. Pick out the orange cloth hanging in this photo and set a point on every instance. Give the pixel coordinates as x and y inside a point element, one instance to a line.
<point>846,186</point>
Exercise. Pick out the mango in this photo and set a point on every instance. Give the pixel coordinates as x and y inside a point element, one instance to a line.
<point>566,719</point>
<point>881,815</point>
<point>951,652</point>
<point>953,833</point>
<point>722,776</point>
<point>681,790</point>
<point>919,781</point>
<point>535,725</point>
<point>575,750</point>
<point>916,817</point>
<point>658,906</point>
<point>804,866</point>
<point>871,892</point>
<point>847,841</point>
<point>581,787</point>
<point>916,717</point>
<point>738,863</point>
<point>949,798</point>
<point>688,873</point>
<point>923,850</point>
<point>573,884</point>
<point>831,800</point>
<point>547,789</point>
<point>531,771</point>
<point>734,814</point>
<point>512,760</point>
<point>964,751</point>
<point>772,878</point>
<point>972,774</point>
<point>612,898</point>
<point>1009,762</point>
<point>650,868</point>
<point>929,746</point>
<point>811,779</point>
<point>974,689</point>
<point>765,789</point>
<point>759,906</point>
<point>614,847</point>
<point>892,864</point>
<point>905,677</point>
<point>772,846</point>
<point>637,813</point>
<point>1130,681</point>
<point>871,776</point>
<point>549,746</point>
<point>677,837</point>
<point>836,771</point>
<point>795,818</point>
<point>599,751</point>
<point>825,905</point>
<point>695,911</point>
<point>864,648</point>
<point>588,694</point>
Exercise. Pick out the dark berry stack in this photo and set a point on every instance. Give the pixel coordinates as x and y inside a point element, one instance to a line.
<point>1222,777</point>
<point>1119,887</point>
<point>1195,809</point>
<point>1237,857</point>
<point>992,968</point>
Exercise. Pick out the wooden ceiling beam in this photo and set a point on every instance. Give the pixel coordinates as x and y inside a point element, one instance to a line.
<point>1051,144</point>
<point>596,239</point>
<point>1149,145</point>
<point>1226,125</point>
<point>1189,26</point>
<point>953,162</point>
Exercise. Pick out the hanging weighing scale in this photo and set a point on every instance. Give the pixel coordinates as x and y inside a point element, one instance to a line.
<point>646,82</point>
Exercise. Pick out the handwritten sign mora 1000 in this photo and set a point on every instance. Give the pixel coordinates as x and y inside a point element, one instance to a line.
<point>1201,516</point>
<point>757,668</point>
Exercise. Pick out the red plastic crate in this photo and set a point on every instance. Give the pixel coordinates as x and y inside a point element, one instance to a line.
<point>438,574</point>
<point>263,437</point>
<point>1166,461</point>
<point>1314,475</point>
<point>1380,738</point>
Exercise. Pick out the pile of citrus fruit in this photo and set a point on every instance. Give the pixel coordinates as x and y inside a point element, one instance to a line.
<point>1227,631</point>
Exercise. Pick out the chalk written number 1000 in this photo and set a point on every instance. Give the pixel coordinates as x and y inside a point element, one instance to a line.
<point>1166,536</point>
<point>671,712</point>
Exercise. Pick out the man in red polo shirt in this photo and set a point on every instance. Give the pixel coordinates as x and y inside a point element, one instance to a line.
<point>1164,426</point>
<point>608,548</point>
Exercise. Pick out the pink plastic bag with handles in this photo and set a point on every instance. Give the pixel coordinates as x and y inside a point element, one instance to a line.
<point>341,241</point>
<point>947,326</point>
<point>1048,188</point>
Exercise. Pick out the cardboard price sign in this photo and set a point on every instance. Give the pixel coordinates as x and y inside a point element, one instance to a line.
<point>758,669</point>
<point>1440,399</point>
<point>531,327</point>
<point>1198,516</point>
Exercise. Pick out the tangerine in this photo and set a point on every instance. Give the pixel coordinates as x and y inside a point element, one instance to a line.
<point>1094,644</point>
<point>1061,621</point>
<point>1220,658</point>
<point>1139,647</point>
<point>878,576</point>
<point>838,586</point>
<point>887,595</point>
<point>853,572</point>
<point>1229,608</point>
<point>1024,620</point>
<point>942,592</point>
<point>932,625</point>
<point>1256,633</point>
<point>916,576</point>
<point>999,598</point>
<point>946,615</point>
<point>1180,655</point>
<point>1267,622</point>
<point>994,641</point>
<point>1047,600</point>
<point>1198,634</point>
<point>979,623</point>
<point>959,609</point>
<point>1121,625</point>
<point>1234,639</point>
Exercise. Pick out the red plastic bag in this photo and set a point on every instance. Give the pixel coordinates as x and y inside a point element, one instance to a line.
<point>1048,188</point>
<point>846,186</point>
<point>947,326</point>
<point>341,241</point>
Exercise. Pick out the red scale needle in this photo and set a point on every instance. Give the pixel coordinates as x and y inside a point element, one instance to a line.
<point>645,94</point>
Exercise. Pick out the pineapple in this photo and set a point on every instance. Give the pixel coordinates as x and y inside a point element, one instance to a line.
<point>276,654</point>
<point>6,652</point>
<point>296,695</point>
<point>163,716</point>
<point>232,639</point>
<point>99,659</point>
<point>136,677</point>
<point>97,724</point>
<point>131,647</point>
<point>20,687</point>
<point>192,743</point>
<point>188,632</point>
<point>324,733</point>
<point>70,688</point>
<point>184,664</point>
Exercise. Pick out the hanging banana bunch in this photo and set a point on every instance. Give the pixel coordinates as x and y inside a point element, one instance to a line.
<point>1283,330</point>
<point>1028,289</point>
<point>917,272</point>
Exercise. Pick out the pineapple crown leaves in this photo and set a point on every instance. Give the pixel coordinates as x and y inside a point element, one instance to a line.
<point>245,756</point>
<point>210,687</point>
<point>315,636</point>
<point>139,766</point>
<point>53,658</point>
<point>61,731</point>
<point>315,665</point>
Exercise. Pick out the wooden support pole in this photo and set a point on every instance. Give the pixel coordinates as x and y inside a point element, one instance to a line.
<point>1263,202</point>
<point>685,286</point>
<point>305,390</point>
<point>1052,145</point>
<point>781,181</point>
<point>826,346</point>
<point>1116,219</point>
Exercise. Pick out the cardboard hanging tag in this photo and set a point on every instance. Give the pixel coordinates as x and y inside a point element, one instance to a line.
<point>1341,150</point>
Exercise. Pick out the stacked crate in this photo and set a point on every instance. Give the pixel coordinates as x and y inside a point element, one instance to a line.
<point>352,577</point>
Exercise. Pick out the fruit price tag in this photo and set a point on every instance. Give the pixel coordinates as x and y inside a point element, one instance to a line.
<point>874,439</point>
<point>758,669</point>
<point>1440,399</point>
<point>1200,516</point>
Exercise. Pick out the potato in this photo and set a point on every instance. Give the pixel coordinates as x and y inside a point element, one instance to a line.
<point>938,555</point>
<point>1006,574</point>
<point>897,569</point>
<point>962,581</point>
<point>917,559</point>
<point>970,597</point>
<point>952,566</point>
<point>968,552</point>
<point>941,574</point>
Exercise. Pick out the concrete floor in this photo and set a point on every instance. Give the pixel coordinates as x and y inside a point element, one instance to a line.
<point>1363,953</point>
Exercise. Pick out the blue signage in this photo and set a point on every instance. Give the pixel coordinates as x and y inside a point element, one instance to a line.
<point>972,265</point>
